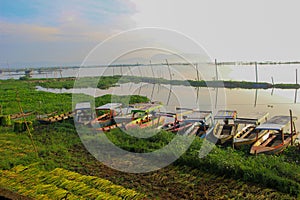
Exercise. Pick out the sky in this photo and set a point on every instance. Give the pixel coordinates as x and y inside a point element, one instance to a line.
<point>47,33</point>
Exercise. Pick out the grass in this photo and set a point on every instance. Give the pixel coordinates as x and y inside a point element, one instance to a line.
<point>60,183</point>
<point>112,81</point>
<point>231,173</point>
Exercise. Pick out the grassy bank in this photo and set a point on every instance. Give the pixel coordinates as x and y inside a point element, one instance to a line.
<point>224,173</point>
<point>112,81</point>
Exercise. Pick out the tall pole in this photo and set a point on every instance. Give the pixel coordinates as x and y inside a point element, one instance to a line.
<point>216,64</point>
<point>255,100</point>
<point>27,127</point>
<point>152,69</point>
<point>296,76</point>
<point>256,73</point>
<point>169,70</point>
<point>197,72</point>
<point>292,128</point>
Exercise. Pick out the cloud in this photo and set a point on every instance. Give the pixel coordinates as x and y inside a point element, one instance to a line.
<point>28,26</point>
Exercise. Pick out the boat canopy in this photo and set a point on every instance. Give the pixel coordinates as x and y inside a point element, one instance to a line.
<point>252,118</point>
<point>276,123</point>
<point>175,114</point>
<point>83,106</point>
<point>146,108</point>
<point>225,114</point>
<point>199,115</point>
<point>109,106</point>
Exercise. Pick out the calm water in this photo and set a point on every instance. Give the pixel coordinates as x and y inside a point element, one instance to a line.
<point>276,102</point>
<point>280,73</point>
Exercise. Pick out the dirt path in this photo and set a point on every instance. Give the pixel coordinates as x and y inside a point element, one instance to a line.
<point>9,195</point>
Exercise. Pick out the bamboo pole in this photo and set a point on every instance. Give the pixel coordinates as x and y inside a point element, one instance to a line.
<point>256,73</point>
<point>152,69</point>
<point>292,129</point>
<point>296,76</point>
<point>216,64</point>
<point>256,95</point>
<point>27,127</point>
<point>169,69</point>
<point>137,64</point>
<point>198,79</point>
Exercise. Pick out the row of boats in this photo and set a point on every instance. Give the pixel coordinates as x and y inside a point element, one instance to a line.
<point>266,135</point>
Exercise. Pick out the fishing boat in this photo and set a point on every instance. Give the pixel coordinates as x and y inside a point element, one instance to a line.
<point>185,118</point>
<point>247,133</point>
<point>279,135</point>
<point>145,116</point>
<point>56,118</point>
<point>19,115</point>
<point>105,114</point>
<point>118,117</point>
<point>224,128</point>
<point>176,120</point>
<point>83,113</point>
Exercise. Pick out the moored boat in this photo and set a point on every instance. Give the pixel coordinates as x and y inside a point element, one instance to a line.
<point>105,114</point>
<point>56,118</point>
<point>224,128</point>
<point>145,115</point>
<point>202,120</point>
<point>279,135</point>
<point>248,134</point>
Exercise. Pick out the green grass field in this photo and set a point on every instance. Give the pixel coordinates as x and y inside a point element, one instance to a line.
<point>224,173</point>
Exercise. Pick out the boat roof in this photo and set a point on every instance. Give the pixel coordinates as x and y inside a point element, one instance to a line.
<point>109,106</point>
<point>83,105</point>
<point>252,118</point>
<point>199,115</point>
<point>174,114</point>
<point>146,108</point>
<point>225,114</point>
<point>276,123</point>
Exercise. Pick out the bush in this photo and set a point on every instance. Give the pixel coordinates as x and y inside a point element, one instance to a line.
<point>20,126</point>
<point>5,120</point>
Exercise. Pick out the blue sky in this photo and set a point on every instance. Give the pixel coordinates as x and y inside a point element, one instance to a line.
<point>35,32</point>
<point>58,32</point>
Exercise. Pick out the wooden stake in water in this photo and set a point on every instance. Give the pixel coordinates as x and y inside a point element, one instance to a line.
<point>256,73</point>
<point>152,69</point>
<point>296,76</point>
<point>216,64</point>
<point>256,94</point>
<point>292,128</point>
<point>169,96</point>
<point>198,79</point>
<point>169,69</point>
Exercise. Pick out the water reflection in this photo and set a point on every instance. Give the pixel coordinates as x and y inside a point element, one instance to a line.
<point>243,100</point>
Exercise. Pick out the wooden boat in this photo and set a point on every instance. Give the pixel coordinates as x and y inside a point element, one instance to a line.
<point>105,114</point>
<point>184,118</point>
<point>56,118</point>
<point>83,113</point>
<point>145,116</point>
<point>176,123</point>
<point>224,128</point>
<point>119,119</point>
<point>248,134</point>
<point>276,139</point>
<point>19,115</point>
